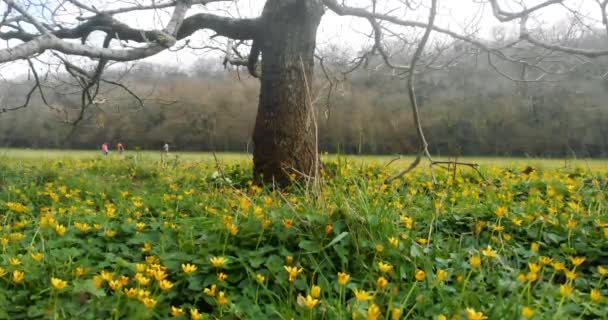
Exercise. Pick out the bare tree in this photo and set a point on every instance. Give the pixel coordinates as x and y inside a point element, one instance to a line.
<point>283,35</point>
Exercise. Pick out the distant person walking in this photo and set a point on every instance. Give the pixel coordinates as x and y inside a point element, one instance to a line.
<point>120,147</point>
<point>104,149</point>
<point>166,148</point>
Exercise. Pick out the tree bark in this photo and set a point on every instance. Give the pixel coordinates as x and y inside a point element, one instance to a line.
<point>284,134</point>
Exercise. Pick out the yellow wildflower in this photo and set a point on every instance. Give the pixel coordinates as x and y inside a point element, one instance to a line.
<point>222,276</point>
<point>189,268</point>
<point>58,283</point>
<point>165,285</point>
<point>217,262</point>
<point>527,312</point>
<point>441,274</point>
<point>420,275</point>
<point>315,291</point>
<point>577,261</point>
<point>373,312</point>
<point>489,252</point>
<point>362,295</point>
<point>18,276</point>
<point>308,302</point>
<point>475,315</point>
<point>221,298</point>
<point>382,282</point>
<point>565,290</point>
<point>475,261</point>
<point>38,256</point>
<point>385,267</point>
<point>260,278</point>
<point>176,312</point>
<point>595,295</point>
<point>293,272</point>
<point>210,291</point>
<point>343,278</point>
<point>194,314</point>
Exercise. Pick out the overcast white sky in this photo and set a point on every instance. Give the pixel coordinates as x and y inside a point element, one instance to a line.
<point>457,15</point>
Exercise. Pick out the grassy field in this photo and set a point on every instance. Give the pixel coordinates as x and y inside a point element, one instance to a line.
<point>90,237</point>
<point>590,164</point>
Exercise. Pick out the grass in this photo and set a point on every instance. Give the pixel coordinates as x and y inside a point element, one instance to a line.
<point>590,164</point>
<point>90,237</point>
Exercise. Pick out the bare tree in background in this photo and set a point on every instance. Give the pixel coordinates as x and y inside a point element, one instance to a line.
<point>281,42</point>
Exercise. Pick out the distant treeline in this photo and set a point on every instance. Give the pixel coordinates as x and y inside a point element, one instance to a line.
<point>468,109</point>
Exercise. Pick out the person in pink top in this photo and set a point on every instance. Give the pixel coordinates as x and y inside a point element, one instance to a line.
<point>104,149</point>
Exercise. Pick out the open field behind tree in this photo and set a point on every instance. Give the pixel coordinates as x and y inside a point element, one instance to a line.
<point>230,158</point>
<point>91,237</point>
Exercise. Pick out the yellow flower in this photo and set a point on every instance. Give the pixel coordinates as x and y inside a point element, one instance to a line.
<point>532,276</point>
<point>373,312</point>
<point>545,260</point>
<point>18,276</point>
<point>293,272</point>
<point>379,248</point>
<point>475,261</point>
<point>395,314</point>
<point>565,290</point>
<point>140,267</point>
<point>382,282</point>
<point>2,272</point>
<point>260,278</point>
<point>420,275</point>
<point>141,279</point>
<point>210,291</point>
<point>385,267</point>
<point>194,314</point>
<point>222,276</point>
<point>131,292</point>
<point>522,277</point>
<point>315,291</point>
<point>98,281</point>
<point>80,271</point>
<point>343,278</point>
<point>441,274</point>
<point>489,252</point>
<point>362,295</point>
<point>165,285</point>
<point>329,229</point>
<point>115,285</point>
<point>38,256</point>
<point>60,229</point>
<point>58,283</point>
<point>534,246</point>
<point>148,302</point>
<point>14,261</point>
<point>534,267</point>
<point>595,295</point>
<point>217,262</point>
<point>558,265</point>
<point>527,312</point>
<point>189,268</point>
<point>288,223</point>
<point>221,298</point>
<point>577,261</point>
<point>475,315</point>
<point>308,302</point>
<point>176,312</point>
<point>442,317</point>
<point>603,271</point>
<point>394,242</point>
<point>501,211</point>
<point>288,260</point>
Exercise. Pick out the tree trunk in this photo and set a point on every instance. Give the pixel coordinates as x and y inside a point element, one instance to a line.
<point>284,134</point>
